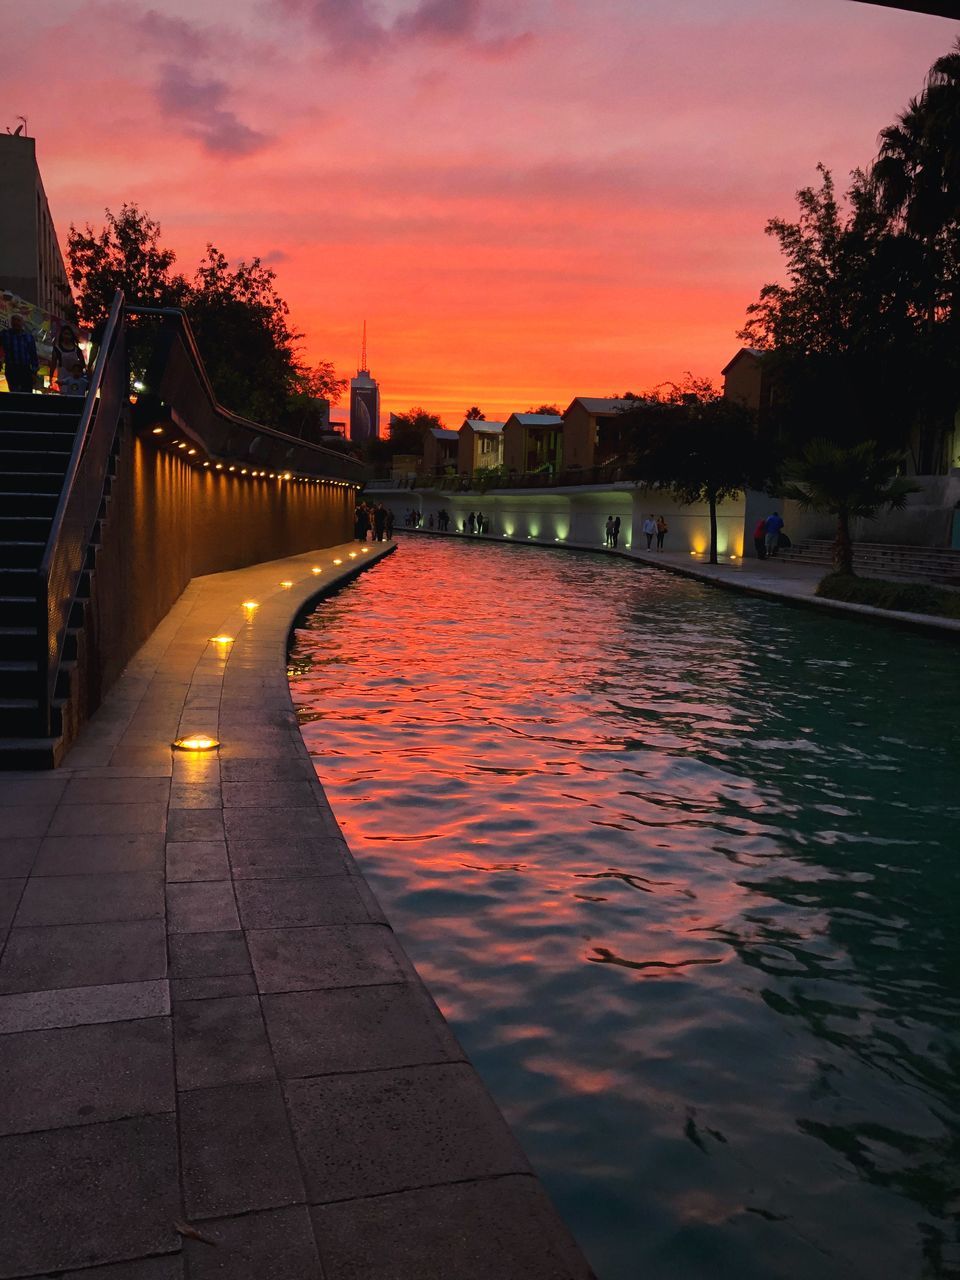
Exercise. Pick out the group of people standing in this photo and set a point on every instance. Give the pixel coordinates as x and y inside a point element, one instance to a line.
<point>373,523</point>
<point>476,523</point>
<point>652,527</point>
<point>21,362</point>
<point>768,535</point>
<point>442,520</point>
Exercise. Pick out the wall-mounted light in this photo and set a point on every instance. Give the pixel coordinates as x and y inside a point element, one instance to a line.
<point>196,742</point>
<point>191,452</point>
<point>219,466</point>
<point>158,431</point>
<point>181,444</point>
<point>138,386</point>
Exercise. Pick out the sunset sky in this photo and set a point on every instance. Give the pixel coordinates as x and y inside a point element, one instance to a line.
<point>527,200</point>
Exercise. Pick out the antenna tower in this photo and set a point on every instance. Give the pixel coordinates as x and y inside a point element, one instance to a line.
<point>363,351</point>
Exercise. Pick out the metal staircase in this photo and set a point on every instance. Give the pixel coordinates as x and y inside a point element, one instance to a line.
<point>37,436</point>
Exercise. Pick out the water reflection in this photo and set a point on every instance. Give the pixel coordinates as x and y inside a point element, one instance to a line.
<point>681,869</point>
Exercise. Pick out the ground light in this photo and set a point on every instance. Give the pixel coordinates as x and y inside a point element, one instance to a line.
<point>196,742</point>
<point>353,555</point>
<point>338,562</point>
<point>221,639</point>
<point>316,569</point>
<point>250,605</point>
<point>286,584</point>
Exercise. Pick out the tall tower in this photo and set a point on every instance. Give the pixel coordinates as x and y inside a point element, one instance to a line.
<point>364,400</point>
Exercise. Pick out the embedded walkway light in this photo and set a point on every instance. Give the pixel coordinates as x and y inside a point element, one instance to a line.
<point>196,742</point>
<point>221,640</point>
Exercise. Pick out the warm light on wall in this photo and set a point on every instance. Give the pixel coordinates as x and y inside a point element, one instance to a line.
<point>196,742</point>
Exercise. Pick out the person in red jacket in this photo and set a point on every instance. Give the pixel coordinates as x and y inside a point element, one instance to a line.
<point>760,538</point>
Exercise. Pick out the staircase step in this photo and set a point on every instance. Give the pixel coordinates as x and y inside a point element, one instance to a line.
<point>28,504</point>
<point>29,439</point>
<point>19,717</point>
<point>17,461</point>
<point>18,676</point>
<point>30,753</point>
<point>24,402</point>
<point>17,642</point>
<point>32,482</point>
<point>18,611</point>
<point>18,582</point>
<point>21,554</point>
<point>14,528</point>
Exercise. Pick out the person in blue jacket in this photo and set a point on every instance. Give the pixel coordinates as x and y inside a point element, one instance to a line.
<point>774,525</point>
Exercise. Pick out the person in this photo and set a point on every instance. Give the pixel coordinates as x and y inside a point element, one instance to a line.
<point>662,532</point>
<point>362,523</point>
<point>760,538</point>
<point>379,521</point>
<point>389,529</point>
<point>430,520</point>
<point>479,522</point>
<point>649,528</point>
<point>616,530</point>
<point>471,522</point>
<point>774,523</point>
<point>608,530</point>
<point>68,359</point>
<point>18,355</point>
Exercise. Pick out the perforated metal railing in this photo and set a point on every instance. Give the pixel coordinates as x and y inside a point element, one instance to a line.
<point>65,555</point>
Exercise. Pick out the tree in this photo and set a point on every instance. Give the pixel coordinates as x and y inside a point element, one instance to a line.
<point>700,446</point>
<point>407,430</point>
<point>547,410</point>
<point>476,414</point>
<point>851,482</point>
<point>126,254</point>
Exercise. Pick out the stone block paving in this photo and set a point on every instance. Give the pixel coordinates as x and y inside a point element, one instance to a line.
<point>215,1058</point>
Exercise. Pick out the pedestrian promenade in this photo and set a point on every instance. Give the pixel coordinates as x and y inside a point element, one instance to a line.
<point>215,1057</point>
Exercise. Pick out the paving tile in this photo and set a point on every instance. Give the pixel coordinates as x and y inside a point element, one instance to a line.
<point>208,955</point>
<point>10,893</point>
<point>266,904</point>
<point>296,792</point>
<point>77,955</point>
<point>130,895</point>
<point>109,819</point>
<point>77,1006</point>
<point>266,859</point>
<point>257,770</point>
<point>235,984</point>
<point>94,855</point>
<point>168,1268</point>
<point>26,819</point>
<point>197,860</point>
<point>194,824</point>
<point>116,791</point>
<point>500,1227</point>
<point>29,789</point>
<point>87,1195</point>
<point>277,823</point>
<point>158,769</point>
<point>185,795</point>
<point>221,1041</point>
<point>201,906</point>
<point>277,1244</point>
<point>17,856</point>
<point>236,1151</point>
<point>80,1075</point>
<point>327,956</point>
<point>134,756</point>
<point>382,1131</point>
<point>356,1029</point>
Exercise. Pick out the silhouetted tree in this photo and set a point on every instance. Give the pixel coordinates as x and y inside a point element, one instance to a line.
<point>849,483</point>
<point>476,413</point>
<point>408,429</point>
<point>546,409</point>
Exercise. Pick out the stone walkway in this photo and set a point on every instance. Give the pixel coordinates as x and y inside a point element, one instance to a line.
<point>215,1058</point>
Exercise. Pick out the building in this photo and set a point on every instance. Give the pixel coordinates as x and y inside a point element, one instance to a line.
<point>593,432</point>
<point>31,264</point>
<point>480,447</point>
<point>364,401</point>
<point>746,378</point>
<point>440,448</point>
<point>533,442</point>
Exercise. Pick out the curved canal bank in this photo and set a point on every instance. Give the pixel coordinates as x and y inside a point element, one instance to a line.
<point>678,866</point>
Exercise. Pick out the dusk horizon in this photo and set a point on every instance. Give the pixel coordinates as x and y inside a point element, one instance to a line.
<point>523,206</point>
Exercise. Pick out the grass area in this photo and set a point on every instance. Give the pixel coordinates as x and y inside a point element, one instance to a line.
<point>908,597</point>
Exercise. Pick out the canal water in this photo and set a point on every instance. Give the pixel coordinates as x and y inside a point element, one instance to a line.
<point>682,868</point>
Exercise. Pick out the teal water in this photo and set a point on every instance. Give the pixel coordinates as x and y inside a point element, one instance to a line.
<point>682,868</point>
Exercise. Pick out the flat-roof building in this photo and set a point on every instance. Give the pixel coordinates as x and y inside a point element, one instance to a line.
<point>31,264</point>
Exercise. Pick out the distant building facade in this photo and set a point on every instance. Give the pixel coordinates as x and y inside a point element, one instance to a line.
<point>533,442</point>
<point>31,264</point>
<point>594,431</point>
<point>440,450</point>
<point>480,447</point>
<point>364,407</point>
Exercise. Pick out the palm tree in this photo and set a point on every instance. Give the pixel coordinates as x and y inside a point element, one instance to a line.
<point>856,482</point>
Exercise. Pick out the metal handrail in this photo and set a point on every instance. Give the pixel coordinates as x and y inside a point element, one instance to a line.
<point>327,459</point>
<point>78,509</point>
